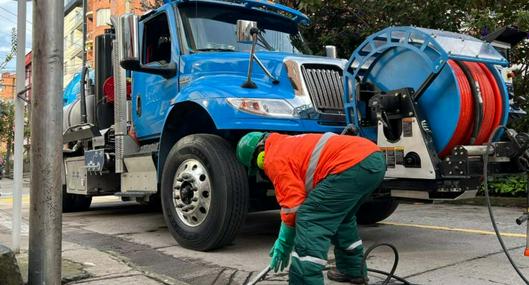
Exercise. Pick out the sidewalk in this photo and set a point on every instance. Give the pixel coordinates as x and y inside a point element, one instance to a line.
<point>81,264</point>
<point>90,266</point>
<point>6,186</point>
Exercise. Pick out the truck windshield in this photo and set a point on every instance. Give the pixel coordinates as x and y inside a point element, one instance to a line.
<point>212,27</point>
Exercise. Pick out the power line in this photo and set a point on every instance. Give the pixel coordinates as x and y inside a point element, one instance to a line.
<point>14,14</point>
<point>13,22</point>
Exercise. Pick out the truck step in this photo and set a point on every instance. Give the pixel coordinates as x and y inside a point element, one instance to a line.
<point>132,194</point>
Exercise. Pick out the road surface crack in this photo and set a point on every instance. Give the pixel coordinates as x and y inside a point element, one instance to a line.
<point>460,262</point>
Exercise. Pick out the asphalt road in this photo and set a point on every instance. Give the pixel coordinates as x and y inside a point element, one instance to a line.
<point>437,243</point>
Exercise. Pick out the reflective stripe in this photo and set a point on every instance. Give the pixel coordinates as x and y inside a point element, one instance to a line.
<point>308,258</point>
<point>313,162</point>
<point>289,210</point>
<point>354,245</point>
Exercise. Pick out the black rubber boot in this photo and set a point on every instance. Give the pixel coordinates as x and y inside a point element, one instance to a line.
<point>337,276</point>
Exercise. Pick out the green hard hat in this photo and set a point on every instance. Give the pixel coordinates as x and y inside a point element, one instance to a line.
<point>246,148</point>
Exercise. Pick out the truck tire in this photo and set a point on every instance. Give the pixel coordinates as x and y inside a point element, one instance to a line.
<point>204,192</point>
<point>74,203</point>
<point>376,210</point>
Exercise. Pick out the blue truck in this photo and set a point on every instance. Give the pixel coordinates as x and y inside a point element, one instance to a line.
<point>175,89</point>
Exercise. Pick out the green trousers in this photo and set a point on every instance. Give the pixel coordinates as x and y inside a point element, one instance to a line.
<point>329,215</point>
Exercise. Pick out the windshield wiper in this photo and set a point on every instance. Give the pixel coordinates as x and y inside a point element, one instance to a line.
<point>212,49</point>
<point>263,41</point>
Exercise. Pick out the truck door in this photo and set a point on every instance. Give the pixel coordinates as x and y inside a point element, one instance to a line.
<point>151,93</point>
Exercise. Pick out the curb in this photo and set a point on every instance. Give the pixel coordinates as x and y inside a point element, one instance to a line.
<point>495,202</point>
<point>9,271</point>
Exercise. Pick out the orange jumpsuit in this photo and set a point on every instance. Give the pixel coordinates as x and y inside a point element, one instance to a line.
<point>287,159</point>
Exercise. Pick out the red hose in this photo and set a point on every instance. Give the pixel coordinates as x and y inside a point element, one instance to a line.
<point>464,124</point>
<point>489,104</point>
<point>489,92</point>
<point>498,100</point>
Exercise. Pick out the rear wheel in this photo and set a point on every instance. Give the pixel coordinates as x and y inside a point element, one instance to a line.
<point>74,203</point>
<point>376,210</point>
<point>204,192</point>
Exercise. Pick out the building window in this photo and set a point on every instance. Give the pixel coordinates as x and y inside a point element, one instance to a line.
<point>103,17</point>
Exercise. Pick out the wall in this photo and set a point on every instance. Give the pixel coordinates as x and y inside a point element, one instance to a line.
<point>73,43</point>
<point>7,86</point>
<point>98,18</point>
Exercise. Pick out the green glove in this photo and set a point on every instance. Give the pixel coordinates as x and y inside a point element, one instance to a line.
<point>282,248</point>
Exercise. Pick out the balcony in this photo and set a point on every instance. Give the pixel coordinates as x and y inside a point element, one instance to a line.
<point>78,21</point>
<point>75,50</point>
<point>73,21</point>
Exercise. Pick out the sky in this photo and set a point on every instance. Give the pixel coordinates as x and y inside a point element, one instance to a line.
<point>8,21</point>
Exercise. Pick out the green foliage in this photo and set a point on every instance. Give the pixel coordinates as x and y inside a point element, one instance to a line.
<point>510,186</point>
<point>7,115</point>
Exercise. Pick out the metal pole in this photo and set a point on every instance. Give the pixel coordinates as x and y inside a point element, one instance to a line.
<point>19,125</point>
<point>84,70</point>
<point>45,215</point>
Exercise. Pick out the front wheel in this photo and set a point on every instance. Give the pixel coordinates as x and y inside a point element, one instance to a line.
<point>204,192</point>
<point>376,210</point>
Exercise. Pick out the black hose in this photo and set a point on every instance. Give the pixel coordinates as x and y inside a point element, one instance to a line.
<point>391,274</point>
<point>487,198</point>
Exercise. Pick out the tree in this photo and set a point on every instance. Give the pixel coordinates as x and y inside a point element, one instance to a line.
<point>7,116</point>
<point>12,52</point>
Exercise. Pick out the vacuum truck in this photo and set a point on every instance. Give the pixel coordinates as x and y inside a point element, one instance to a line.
<point>173,91</point>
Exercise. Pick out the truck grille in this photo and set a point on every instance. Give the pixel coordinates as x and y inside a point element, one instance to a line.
<point>325,86</point>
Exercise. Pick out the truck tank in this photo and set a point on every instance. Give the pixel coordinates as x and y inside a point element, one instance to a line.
<point>72,105</point>
<point>100,110</point>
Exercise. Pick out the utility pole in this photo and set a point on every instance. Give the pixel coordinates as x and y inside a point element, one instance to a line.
<point>19,125</point>
<point>84,70</point>
<point>45,217</point>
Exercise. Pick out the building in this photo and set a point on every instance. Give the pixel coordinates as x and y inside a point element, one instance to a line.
<point>73,39</point>
<point>7,86</point>
<point>29,78</point>
<point>8,82</point>
<point>98,18</point>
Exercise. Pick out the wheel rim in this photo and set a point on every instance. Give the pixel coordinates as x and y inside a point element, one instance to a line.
<point>192,192</point>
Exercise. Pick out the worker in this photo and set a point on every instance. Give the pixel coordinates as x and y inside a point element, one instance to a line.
<point>320,181</point>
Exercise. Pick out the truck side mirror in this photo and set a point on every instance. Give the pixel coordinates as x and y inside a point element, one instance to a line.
<point>129,54</point>
<point>330,51</point>
<point>246,31</point>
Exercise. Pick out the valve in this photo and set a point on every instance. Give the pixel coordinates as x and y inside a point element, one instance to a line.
<point>521,151</point>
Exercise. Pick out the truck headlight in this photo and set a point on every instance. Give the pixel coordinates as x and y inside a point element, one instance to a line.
<point>277,108</point>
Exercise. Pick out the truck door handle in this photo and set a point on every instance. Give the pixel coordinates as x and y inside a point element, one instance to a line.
<point>138,105</point>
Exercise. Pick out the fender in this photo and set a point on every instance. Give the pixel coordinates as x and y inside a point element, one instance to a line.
<point>184,118</point>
